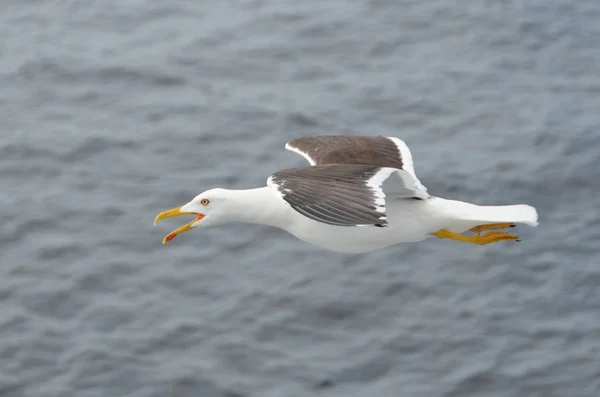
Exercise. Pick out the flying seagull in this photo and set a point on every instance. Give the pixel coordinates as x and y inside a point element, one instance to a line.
<point>359,194</point>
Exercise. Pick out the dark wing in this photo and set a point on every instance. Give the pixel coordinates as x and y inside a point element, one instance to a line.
<point>367,150</point>
<point>338,194</point>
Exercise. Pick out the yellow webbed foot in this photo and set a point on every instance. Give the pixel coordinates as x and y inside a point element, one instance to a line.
<point>488,238</point>
<point>493,237</point>
<point>493,226</point>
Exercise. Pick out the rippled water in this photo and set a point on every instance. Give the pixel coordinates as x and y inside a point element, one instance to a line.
<point>112,111</point>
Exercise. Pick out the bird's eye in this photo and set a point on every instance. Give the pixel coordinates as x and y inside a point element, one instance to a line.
<point>205,201</point>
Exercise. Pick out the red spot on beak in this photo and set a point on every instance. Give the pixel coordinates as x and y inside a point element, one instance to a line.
<point>171,236</point>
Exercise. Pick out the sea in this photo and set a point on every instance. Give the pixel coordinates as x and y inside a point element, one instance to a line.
<point>112,111</point>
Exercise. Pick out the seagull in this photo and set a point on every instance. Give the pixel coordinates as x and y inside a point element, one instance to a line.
<point>358,194</point>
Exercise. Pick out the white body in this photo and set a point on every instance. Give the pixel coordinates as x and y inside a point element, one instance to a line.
<point>408,220</point>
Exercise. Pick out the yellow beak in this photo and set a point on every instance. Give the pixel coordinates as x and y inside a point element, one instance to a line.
<point>173,213</point>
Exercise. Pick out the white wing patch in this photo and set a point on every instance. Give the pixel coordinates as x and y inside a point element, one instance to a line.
<point>375,184</point>
<point>301,153</point>
<point>409,167</point>
<point>275,187</point>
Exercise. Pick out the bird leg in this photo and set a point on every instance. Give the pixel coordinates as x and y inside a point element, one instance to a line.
<point>478,239</point>
<point>493,226</point>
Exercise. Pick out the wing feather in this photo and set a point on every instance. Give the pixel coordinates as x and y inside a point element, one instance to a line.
<point>337,194</point>
<point>366,150</point>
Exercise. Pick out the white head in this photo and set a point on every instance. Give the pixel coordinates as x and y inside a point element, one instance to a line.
<point>211,207</point>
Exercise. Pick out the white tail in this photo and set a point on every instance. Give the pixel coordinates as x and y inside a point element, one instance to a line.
<point>463,216</point>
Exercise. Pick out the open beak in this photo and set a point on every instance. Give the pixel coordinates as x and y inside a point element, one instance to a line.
<point>173,213</point>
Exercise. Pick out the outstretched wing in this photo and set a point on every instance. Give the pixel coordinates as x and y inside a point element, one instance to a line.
<point>367,150</point>
<point>340,194</point>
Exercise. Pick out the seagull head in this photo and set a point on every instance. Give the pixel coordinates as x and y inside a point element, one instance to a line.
<point>210,208</point>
